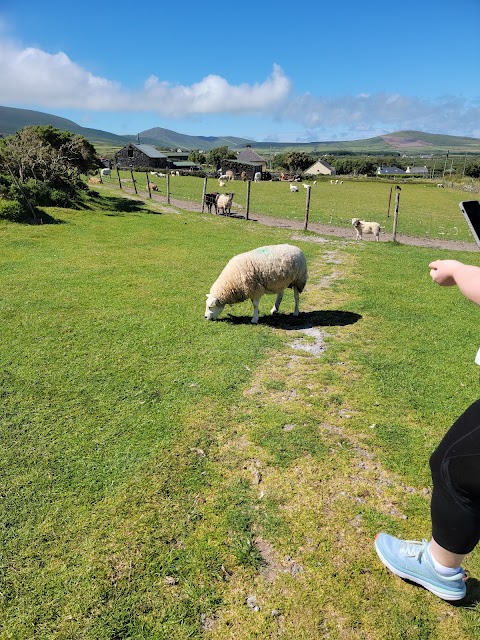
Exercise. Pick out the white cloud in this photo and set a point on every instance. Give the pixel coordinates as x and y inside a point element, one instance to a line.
<point>448,114</point>
<point>32,77</point>
<point>53,80</point>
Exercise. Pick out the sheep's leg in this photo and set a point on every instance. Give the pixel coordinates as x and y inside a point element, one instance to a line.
<point>255,303</point>
<point>296,295</point>
<point>277,303</point>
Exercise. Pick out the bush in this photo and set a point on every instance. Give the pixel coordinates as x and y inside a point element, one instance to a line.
<point>14,211</point>
<point>40,194</point>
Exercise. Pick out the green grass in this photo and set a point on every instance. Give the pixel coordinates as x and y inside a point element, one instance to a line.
<point>158,469</point>
<point>424,210</point>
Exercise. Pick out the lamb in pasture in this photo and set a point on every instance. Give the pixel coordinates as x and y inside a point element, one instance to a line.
<point>440,185</point>
<point>221,182</point>
<point>293,188</point>
<point>153,186</point>
<point>306,186</point>
<point>211,201</point>
<point>366,227</point>
<point>224,202</point>
<point>230,175</point>
<point>105,172</point>
<point>250,275</point>
<point>257,177</point>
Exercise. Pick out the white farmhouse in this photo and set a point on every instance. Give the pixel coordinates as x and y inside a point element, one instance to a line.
<point>320,167</point>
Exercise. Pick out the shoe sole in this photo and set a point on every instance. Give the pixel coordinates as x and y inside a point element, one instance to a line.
<point>423,583</point>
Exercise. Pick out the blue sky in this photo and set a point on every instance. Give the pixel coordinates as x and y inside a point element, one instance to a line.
<point>268,71</point>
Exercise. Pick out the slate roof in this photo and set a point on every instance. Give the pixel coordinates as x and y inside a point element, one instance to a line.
<point>149,151</point>
<point>249,155</point>
<point>385,171</point>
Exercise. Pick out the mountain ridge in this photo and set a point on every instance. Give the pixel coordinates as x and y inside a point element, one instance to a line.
<point>12,119</point>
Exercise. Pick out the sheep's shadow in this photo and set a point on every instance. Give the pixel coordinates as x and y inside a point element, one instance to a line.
<point>307,320</point>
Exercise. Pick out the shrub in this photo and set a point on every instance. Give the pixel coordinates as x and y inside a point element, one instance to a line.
<point>13,210</point>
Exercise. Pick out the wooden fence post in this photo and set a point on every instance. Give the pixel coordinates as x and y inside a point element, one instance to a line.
<point>119,181</point>
<point>389,201</point>
<point>395,215</point>
<point>248,199</point>
<point>168,187</point>
<point>134,181</point>
<point>204,192</point>
<point>148,184</point>
<point>307,208</point>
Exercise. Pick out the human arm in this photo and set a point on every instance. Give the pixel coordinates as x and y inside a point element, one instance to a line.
<point>452,272</point>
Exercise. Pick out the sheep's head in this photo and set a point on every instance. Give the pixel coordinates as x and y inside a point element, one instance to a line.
<point>355,222</point>
<point>213,308</point>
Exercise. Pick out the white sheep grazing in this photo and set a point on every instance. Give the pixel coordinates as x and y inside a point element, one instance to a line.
<point>250,275</point>
<point>293,188</point>
<point>257,177</point>
<point>105,172</point>
<point>366,227</point>
<point>221,183</point>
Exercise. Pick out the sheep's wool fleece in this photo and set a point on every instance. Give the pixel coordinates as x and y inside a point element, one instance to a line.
<point>269,269</point>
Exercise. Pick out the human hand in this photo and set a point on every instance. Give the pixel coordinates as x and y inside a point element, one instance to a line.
<point>442,271</point>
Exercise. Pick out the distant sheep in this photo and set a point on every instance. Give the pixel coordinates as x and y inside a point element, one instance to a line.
<point>224,202</point>
<point>211,201</point>
<point>153,186</point>
<point>440,185</point>
<point>366,227</point>
<point>257,177</point>
<point>221,182</point>
<point>230,175</point>
<point>293,188</point>
<point>250,275</point>
<point>105,172</point>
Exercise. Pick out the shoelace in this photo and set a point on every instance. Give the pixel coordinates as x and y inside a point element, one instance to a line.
<point>416,549</point>
<point>413,548</point>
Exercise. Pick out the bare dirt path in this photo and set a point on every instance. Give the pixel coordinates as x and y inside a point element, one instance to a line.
<point>324,229</point>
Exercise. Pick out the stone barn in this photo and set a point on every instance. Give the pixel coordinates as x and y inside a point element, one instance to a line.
<point>250,168</point>
<point>250,156</point>
<point>140,156</point>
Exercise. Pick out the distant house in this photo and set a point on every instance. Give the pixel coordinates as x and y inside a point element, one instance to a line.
<point>390,171</point>
<point>320,167</point>
<point>250,156</point>
<point>418,171</point>
<point>140,156</point>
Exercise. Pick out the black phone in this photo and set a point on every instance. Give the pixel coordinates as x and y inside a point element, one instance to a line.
<point>471,211</point>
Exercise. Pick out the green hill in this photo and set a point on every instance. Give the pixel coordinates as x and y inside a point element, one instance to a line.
<point>11,120</point>
<point>408,142</point>
<point>160,137</point>
<point>403,142</point>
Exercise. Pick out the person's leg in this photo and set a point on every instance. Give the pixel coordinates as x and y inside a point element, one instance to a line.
<point>455,504</point>
<point>455,512</point>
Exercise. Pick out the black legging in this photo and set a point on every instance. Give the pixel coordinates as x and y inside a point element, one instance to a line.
<point>455,466</point>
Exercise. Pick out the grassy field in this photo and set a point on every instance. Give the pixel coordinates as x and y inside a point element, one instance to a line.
<point>165,477</point>
<point>424,210</point>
